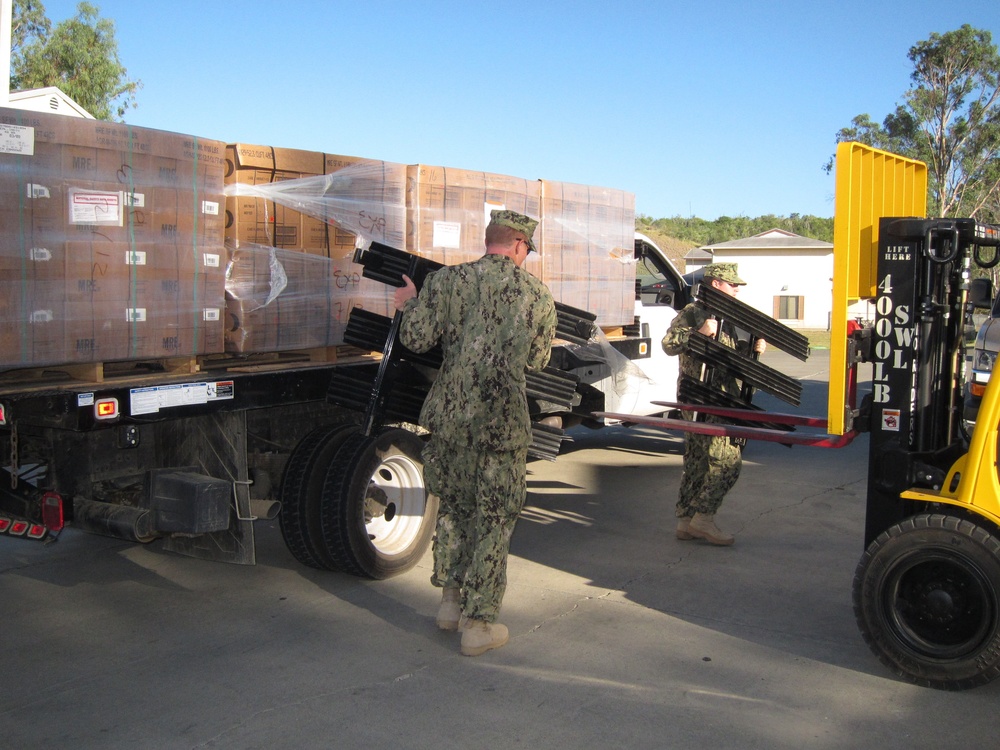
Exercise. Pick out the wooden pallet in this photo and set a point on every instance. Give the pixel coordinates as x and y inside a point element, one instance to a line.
<point>78,373</point>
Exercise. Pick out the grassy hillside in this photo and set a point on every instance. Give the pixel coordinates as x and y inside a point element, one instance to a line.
<point>674,248</point>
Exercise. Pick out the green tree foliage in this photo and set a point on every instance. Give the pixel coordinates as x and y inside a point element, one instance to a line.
<point>949,119</point>
<point>28,23</point>
<point>725,228</point>
<point>79,56</point>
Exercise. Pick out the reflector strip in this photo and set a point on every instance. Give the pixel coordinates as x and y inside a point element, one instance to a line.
<point>27,529</point>
<point>3,414</point>
<point>52,511</point>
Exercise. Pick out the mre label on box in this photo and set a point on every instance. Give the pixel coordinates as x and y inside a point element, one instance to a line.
<point>17,139</point>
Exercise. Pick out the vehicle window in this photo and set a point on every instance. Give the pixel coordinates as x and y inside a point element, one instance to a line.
<point>647,272</point>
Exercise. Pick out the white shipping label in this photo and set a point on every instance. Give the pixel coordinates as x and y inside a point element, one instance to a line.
<point>211,260</point>
<point>210,207</point>
<point>40,254</point>
<point>17,139</point>
<point>212,314</point>
<point>447,234</point>
<point>95,207</point>
<point>135,314</point>
<point>38,191</point>
<point>135,257</point>
<point>134,200</point>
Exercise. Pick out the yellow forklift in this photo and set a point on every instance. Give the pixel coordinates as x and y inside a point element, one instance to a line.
<point>927,588</point>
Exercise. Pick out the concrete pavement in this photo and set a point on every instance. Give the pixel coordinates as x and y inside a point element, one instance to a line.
<point>620,634</point>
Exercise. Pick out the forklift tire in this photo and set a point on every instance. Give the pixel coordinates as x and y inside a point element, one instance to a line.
<point>301,494</point>
<point>927,601</point>
<point>378,518</point>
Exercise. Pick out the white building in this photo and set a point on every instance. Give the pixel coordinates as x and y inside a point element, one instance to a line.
<point>48,99</point>
<point>789,277</point>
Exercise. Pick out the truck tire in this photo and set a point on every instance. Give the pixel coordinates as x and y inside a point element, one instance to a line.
<point>927,601</point>
<point>378,518</point>
<point>301,494</point>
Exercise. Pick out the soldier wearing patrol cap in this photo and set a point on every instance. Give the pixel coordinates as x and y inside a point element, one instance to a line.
<point>493,320</point>
<point>711,463</point>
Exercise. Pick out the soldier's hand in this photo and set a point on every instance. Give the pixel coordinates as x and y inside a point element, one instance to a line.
<point>406,292</point>
<point>760,346</point>
<point>709,328</point>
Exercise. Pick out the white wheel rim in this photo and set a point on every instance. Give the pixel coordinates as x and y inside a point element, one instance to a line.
<point>400,478</point>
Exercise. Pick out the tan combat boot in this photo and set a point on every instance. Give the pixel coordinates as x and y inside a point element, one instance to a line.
<point>683,530</point>
<point>703,526</point>
<point>479,636</point>
<point>450,611</point>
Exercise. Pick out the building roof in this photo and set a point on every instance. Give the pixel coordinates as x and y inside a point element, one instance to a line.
<point>770,240</point>
<point>698,253</point>
<point>48,99</point>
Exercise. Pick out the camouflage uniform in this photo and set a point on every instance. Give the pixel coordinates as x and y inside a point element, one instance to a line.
<point>493,320</point>
<point>711,463</point>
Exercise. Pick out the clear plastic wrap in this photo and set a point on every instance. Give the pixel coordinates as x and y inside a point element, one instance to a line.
<point>585,237</point>
<point>365,198</point>
<point>623,372</point>
<point>279,299</point>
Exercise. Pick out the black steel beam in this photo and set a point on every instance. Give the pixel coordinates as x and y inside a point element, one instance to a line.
<point>752,372</point>
<point>753,320</point>
<point>388,264</point>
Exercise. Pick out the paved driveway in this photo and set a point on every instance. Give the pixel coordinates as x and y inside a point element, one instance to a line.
<point>621,635</point>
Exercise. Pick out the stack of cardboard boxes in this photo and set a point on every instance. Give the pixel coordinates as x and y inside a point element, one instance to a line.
<point>448,209</point>
<point>585,238</point>
<point>111,241</point>
<point>291,283</point>
<point>587,247</point>
<point>121,243</point>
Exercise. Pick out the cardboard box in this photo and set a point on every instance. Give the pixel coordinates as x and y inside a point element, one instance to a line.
<point>264,222</point>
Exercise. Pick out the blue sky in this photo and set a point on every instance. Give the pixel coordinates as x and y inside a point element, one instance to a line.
<point>699,108</point>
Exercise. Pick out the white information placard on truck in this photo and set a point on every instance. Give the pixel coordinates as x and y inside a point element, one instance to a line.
<point>152,399</point>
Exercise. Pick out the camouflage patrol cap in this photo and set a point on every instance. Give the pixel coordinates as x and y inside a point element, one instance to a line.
<point>518,222</point>
<point>723,272</point>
